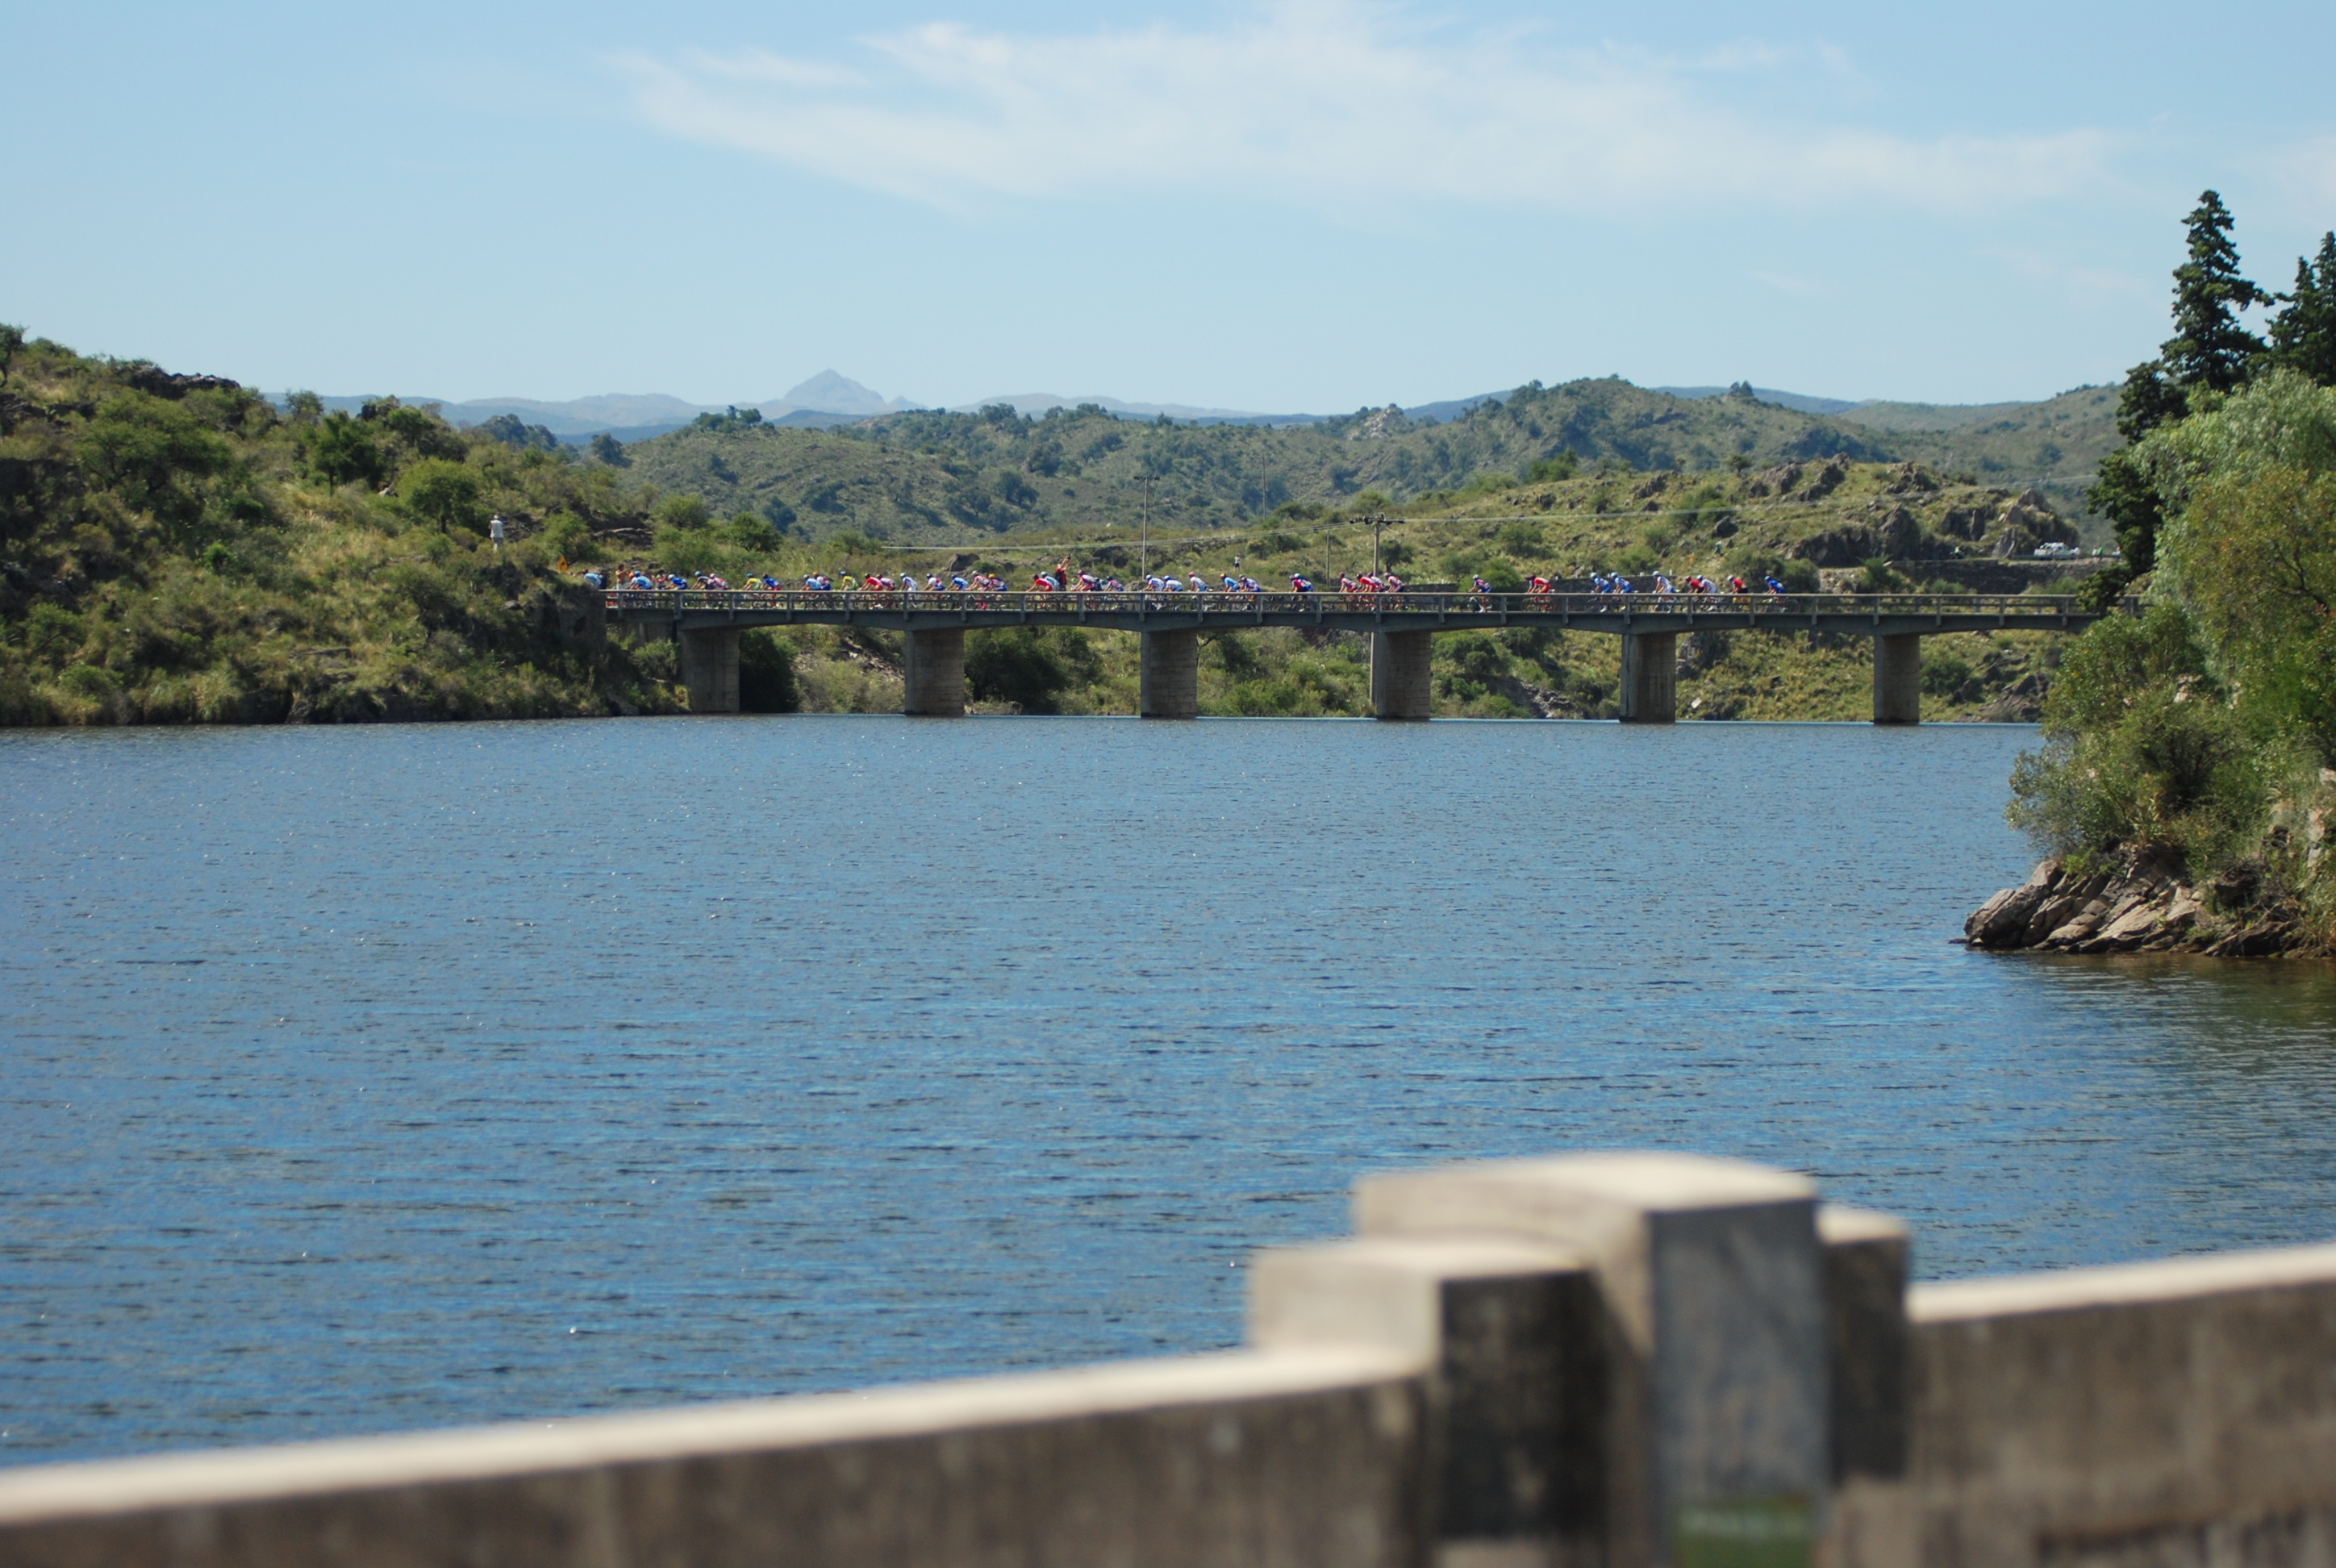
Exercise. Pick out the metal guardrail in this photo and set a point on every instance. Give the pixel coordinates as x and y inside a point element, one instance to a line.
<point>2015,607</point>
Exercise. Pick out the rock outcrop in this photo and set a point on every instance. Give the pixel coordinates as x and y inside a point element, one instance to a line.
<point>1541,701</point>
<point>2138,906</point>
<point>2020,702</point>
<point>2028,521</point>
<point>162,382</point>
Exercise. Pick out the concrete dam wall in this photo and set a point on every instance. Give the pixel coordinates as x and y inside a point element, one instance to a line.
<point>1612,1360</point>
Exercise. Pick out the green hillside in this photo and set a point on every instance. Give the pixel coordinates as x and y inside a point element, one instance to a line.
<point>2057,444</point>
<point>174,550</point>
<point>925,477</point>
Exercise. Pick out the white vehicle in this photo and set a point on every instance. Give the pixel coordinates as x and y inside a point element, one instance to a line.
<point>2052,549</point>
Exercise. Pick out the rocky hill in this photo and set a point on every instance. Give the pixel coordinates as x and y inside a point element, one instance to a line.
<point>924,477</point>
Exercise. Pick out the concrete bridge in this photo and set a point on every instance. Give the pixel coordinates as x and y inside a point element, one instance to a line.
<point>706,624</point>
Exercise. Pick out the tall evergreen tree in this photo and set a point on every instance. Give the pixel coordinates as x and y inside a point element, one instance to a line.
<point>2303,335</point>
<point>2209,348</point>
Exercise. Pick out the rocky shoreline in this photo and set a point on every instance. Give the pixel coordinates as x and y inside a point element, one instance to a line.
<point>2138,906</point>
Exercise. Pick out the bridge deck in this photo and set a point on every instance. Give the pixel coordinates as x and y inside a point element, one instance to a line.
<point>1868,615</point>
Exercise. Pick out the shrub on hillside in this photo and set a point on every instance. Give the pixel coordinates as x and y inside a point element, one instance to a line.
<point>2144,749</point>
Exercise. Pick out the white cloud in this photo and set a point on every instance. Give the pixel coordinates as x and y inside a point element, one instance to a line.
<point>2081,284</point>
<point>2305,175</point>
<point>1326,104</point>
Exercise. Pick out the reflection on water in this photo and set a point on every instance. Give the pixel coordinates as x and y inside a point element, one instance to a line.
<point>385,1077</point>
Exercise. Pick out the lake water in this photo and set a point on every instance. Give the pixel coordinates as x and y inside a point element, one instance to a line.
<point>358,1079</point>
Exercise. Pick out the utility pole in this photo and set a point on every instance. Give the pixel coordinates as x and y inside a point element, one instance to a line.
<point>1378,521</point>
<point>1143,549</point>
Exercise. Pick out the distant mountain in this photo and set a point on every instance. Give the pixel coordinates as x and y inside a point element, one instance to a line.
<point>830,392</point>
<point>812,419</point>
<point>826,399</point>
<point>2059,439</point>
<point>1446,413</point>
<point>1882,413</point>
<point>626,416</point>
<point>1799,401</point>
<point>580,416</point>
<point>2058,442</point>
<point>2002,416</point>
<point>928,475</point>
<point>1037,402</point>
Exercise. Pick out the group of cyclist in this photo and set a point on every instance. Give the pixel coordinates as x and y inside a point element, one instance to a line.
<point>1056,579</point>
<point>1601,583</point>
<point>1062,579</point>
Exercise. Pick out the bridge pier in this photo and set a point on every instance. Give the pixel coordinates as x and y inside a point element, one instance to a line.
<point>1401,686</point>
<point>1650,676</point>
<point>932,673</point>
<point>1172,674</point>
<point>1898,679</point>
<point>709,668</point>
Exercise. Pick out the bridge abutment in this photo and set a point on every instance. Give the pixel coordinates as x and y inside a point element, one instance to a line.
<point>1402,687</point>
<point>1172,674</point>
<point>932,673</point>
<point>1898,679</point>
<point>709,668</point>
<point>1650,677</point>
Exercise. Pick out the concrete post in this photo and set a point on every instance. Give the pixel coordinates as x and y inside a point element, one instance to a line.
<point>1872,1356</point>
<point>1401,685</point>
<point>1898,679</point>
<point>1717,1426</point>
<point>709,668</point>
<point>932,673</point>
<point>1507,1337</point>
<point>1172,674</point>
<point>1650,677</point>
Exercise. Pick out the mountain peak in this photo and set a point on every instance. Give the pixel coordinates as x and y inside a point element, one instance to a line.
<point>831,391</point>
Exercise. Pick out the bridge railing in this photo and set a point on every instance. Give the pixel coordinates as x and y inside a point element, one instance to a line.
<point>1230,602</point>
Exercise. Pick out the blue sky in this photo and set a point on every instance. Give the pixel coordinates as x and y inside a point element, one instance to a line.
<point>1308,206</point>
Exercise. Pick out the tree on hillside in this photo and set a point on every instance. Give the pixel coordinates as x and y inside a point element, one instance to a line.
<point>341,451</point>
<point>447,494</point>
<point>12,338</point>
<point>156,454</point>
<point>2303,335</point>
